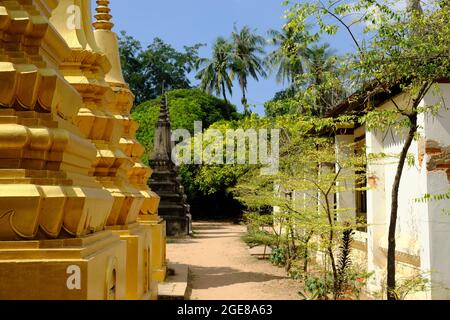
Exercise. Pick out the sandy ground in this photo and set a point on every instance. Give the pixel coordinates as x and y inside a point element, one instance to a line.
<point>223,269</point>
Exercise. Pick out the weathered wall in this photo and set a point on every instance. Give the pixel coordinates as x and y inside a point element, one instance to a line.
<point>435,180</point>
<point>423,231</point>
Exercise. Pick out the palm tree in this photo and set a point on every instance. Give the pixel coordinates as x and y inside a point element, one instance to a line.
<point>320,59</point>
<point>247,48</point>
<point>290,55</point>
<point>216,76</point>
<point>320,63</point>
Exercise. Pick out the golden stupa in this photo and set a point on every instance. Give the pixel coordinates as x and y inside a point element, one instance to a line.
<point>77,219</point>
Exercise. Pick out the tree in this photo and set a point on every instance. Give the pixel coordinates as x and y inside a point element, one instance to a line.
<point>302,193</point>
<point>403,53</point>
<point>210,184</point>
<point>132,67</point>
<point>310,68</point>
<point>284,102</point>
<point>289,57</point>
<point>323,68</point>
<point>163,64</point>
<point>247,48</point>
<point>204,190</point>
<point>216,74</point>
<point>185,106</point>
<point>146,70</point>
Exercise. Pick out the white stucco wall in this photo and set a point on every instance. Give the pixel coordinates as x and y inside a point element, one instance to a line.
<point>408,222</point>
<point>423,229</point>
<point>434,218</point>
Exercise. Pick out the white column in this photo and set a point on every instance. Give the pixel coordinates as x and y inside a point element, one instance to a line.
<point>376,212</point>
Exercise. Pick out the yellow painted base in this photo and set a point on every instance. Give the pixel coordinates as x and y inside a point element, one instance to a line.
<point>87,268</point>
<point>158,234</point>
<point>140,284</point>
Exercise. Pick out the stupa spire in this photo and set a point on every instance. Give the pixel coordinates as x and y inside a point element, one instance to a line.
<point>103,16</point>
<point>163,143</point>
<point>166,180</point>
<point>164,118</point>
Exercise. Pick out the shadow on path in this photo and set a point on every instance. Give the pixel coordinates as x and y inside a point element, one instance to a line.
<point>222,267</point>
<point>215,277</point>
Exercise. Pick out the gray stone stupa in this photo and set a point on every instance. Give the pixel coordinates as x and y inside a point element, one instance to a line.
<point>165,180</point>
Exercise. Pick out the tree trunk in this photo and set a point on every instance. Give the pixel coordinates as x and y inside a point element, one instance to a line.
<point>391,269</point>
<point>306,252</point>
<point>305,261</point>
<point>414,6</point>
<point>245,103</point>
<point>244,97</point>
<point>330,248</point>
<point>224,93</point>
<point>334,268</point>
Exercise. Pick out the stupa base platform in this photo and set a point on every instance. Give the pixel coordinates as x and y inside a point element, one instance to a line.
<point>87,268</point>
<point>141,285</point>
<point>178,226</point>
<point>158,236</point>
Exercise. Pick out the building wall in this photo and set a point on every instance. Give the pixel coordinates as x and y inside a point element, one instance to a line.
<point>434,152</point>
<point>423,231</point>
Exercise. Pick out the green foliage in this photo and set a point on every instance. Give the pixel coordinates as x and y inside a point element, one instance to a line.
<point>130,50</point>
<point>214,178</point>
<point>186,106</point>
<point>216,74</point>
<point>302,191</point>
<point>407,286</point>
<point>145,70</point>
<point>411,285</point>
<point>410,50</point>
<point>258,238</point>
<point>297,271</point>
<point>356,283</point>
<point>207,180</point>
<point>257,230</point>
<point>206,187</point>
<point>321,286</point>
<point>318,287</point>
<point>316,89</point>
<point>399,52</point>
<point>436,197</point>
<point>246,59</point>
<point>289,57</point>
<point>278,257</point>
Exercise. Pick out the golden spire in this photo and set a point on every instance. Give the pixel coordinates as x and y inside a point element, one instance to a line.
<point>103,17</point>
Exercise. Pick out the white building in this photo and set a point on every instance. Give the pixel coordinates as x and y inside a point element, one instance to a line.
<point>423,231</point>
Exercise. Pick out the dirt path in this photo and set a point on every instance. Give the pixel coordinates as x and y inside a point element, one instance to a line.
<point>223,269</point>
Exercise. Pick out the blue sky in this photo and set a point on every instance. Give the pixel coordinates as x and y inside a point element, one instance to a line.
<point>186,22</point>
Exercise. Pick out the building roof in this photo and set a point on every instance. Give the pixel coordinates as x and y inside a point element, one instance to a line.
<point>360,101</point>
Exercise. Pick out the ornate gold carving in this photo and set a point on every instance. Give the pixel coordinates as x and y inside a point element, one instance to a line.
<point>103,17</point>
<point>69,159</point>
<point>66,135</point>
